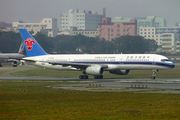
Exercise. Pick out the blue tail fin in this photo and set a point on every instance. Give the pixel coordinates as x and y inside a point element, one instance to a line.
<point>31,45</point>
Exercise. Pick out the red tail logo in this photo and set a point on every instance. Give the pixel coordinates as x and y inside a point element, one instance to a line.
<point>29,43</point>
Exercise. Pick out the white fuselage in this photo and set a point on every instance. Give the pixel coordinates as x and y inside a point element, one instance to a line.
<point>113,61</point>
<point>5,57</point>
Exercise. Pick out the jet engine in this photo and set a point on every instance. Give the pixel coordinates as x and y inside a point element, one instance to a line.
<point>120,72</point>
<point>16,62</point>
<point>94,70</point>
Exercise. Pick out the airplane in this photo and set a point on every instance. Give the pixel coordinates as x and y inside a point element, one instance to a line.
<point>12,57</point>
<point>92,64</point>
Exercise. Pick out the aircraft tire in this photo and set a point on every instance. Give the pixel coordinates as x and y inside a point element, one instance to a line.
<point>83,77</point>
<point>80,77</point>
<point>14,65</point>
<point>86,77</point>
<point>98,77</point>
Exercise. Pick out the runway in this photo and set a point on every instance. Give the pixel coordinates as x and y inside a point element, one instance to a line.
<point>160,84</point>
<point>135,83</point>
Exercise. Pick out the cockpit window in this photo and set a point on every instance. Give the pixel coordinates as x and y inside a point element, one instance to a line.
<point>165,60</point>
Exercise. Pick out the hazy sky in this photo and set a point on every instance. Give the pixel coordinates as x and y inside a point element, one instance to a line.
<point>35,10</point>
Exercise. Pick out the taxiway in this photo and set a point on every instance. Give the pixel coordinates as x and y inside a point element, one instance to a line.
<point>159,83</point>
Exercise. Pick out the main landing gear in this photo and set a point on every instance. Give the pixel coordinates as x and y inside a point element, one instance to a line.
<point>14,65</point>
<point>95,77</point>
<point>83,77</point>
<point>98,77</point>
<point>154,74</point>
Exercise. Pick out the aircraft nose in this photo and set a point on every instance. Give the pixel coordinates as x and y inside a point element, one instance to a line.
<point>172,65</point>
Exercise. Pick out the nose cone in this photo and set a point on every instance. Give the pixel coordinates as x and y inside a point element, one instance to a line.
<point>172,65</point>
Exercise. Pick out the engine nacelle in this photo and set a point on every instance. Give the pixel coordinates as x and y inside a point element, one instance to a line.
<point>16,62</point>
<point>120,72</point>
<point>94,70</point>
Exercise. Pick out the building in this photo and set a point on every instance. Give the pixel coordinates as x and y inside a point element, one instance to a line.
<point>177,24</point>
<point>47,26</point>
<point>167,38</point>
<point>83,20</point>
<point>109,31</point>
<point>160,22</point>
<point>149,21</point>
<point>171,43</point>
<point>87,33</point>
<point>6,27</point>
<point>74,31</point>
<point>150,33</point>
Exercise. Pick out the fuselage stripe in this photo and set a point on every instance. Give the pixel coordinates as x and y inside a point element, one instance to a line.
<point>162,64</point>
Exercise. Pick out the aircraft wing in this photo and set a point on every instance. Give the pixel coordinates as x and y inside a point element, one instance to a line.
<point>76,65</point>
<point>26,59</point>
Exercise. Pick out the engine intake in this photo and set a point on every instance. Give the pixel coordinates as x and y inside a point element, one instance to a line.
<point>94,70</point>
<point>120,72</point>
<point>16,62</point>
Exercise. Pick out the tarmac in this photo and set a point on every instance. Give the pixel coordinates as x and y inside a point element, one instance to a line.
<point>140,85</point>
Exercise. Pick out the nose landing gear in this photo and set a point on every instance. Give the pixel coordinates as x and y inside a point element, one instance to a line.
<point>154,74</point>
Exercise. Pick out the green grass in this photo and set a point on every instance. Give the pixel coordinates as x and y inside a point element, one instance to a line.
<point>46,103</point>
<point>172,73</point>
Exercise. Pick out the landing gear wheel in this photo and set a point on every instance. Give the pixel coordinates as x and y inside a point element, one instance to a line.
<point>80,77</point>
<point>154,74</point>
<point>98,77</point>
<point>83,77</point>
<point>14,65</point>
<point>0,65</point>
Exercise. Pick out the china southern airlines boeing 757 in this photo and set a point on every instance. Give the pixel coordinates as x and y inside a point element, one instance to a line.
<point>93,64</point>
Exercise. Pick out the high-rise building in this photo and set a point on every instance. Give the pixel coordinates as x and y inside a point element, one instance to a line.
<point>109,31</point>
<point>149,21</point>
<point>177,24</point>
<point>82,19</point>
<point>160,22</point>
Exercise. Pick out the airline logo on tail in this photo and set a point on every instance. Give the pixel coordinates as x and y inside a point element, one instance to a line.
<point>29,43</point>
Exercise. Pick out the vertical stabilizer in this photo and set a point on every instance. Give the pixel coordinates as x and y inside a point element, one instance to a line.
<point>21,49</point>
<point>30,44</point>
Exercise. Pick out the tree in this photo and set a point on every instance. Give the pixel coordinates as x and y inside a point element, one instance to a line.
<point>45,42</point>
<point>9,42</point>
<point>133,44</point>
